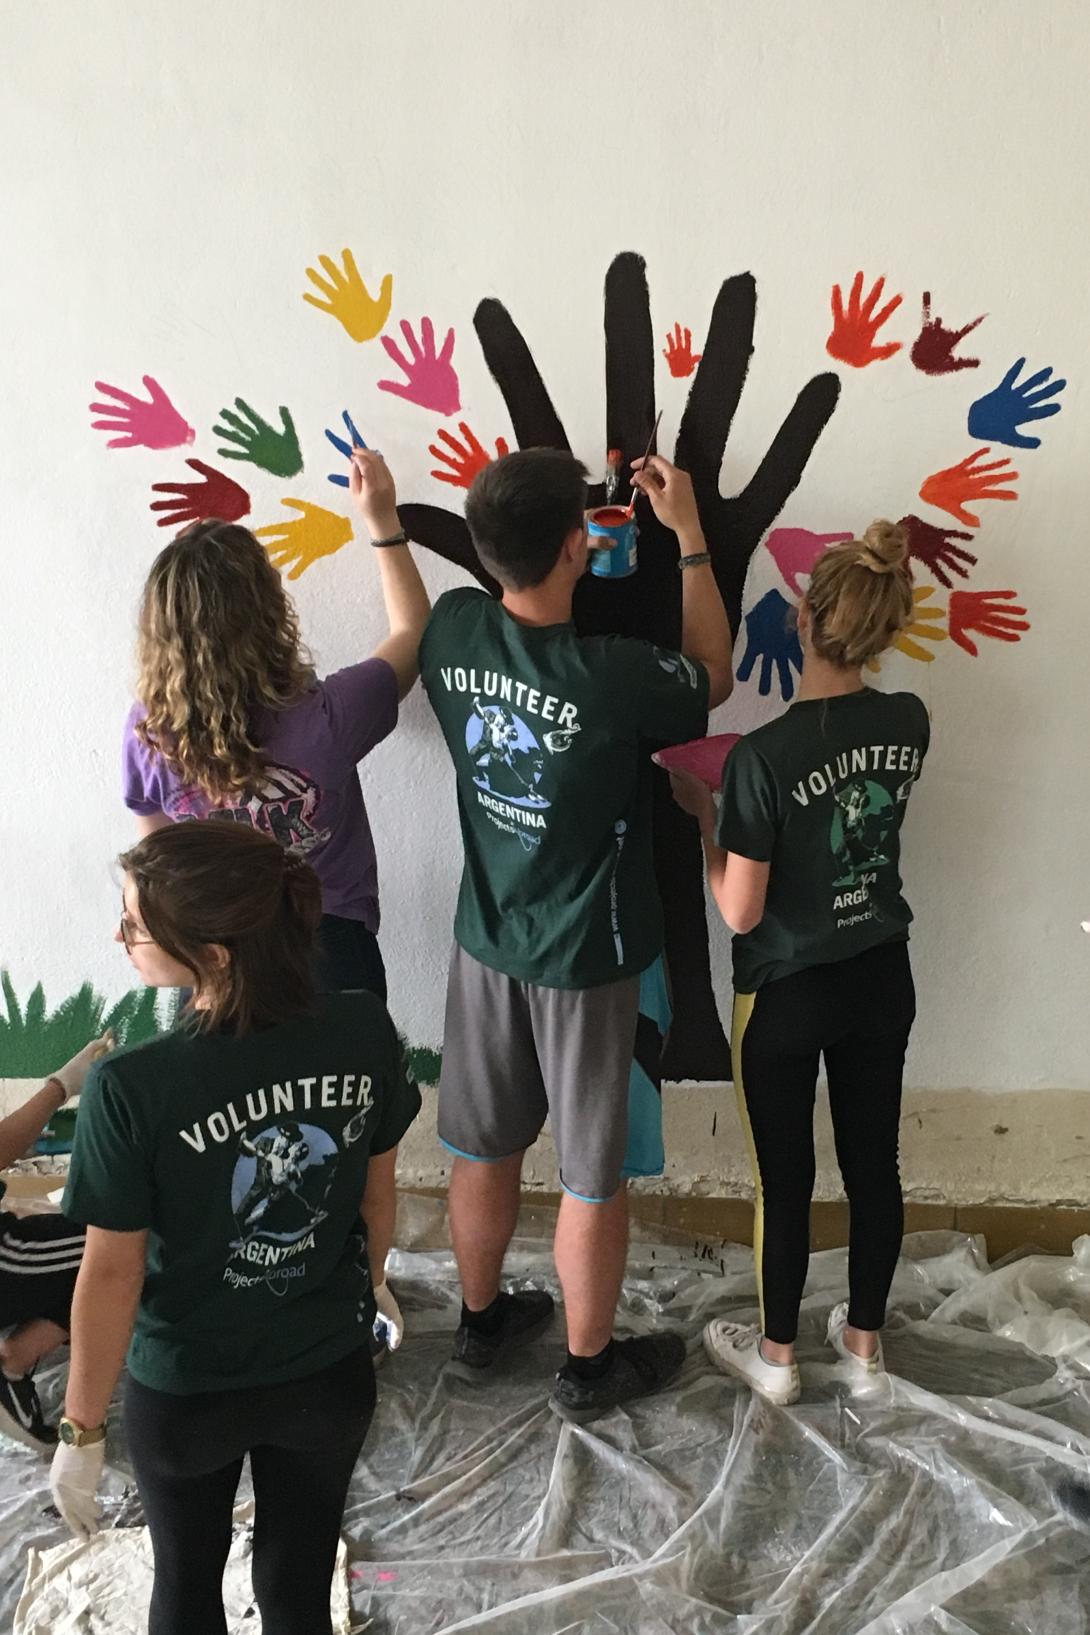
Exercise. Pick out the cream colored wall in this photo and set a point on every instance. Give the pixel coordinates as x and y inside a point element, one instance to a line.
<point>171,172</point>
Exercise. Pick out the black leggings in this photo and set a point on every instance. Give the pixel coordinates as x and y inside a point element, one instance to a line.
<point>347,956</point>
<point>858,1013</point>
<point>303,1439</point>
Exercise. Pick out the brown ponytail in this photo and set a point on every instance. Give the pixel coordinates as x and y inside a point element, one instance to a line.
<point>860,596</point>
<point>216,882</point>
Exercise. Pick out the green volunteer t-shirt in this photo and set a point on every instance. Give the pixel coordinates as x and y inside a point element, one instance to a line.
<point>821,794</point>
<point>550,733</point>
<point>246,1159</point>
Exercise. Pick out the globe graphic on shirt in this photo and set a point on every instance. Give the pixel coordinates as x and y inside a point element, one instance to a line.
<point>506,758</point>
<point>863,814</point>
<point>281,1180</point>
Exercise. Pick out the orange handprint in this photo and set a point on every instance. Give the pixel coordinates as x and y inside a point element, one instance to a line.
<point>950,489</point>
<point>465,459</point>
<point>679,353</point>
<point>853,332</point>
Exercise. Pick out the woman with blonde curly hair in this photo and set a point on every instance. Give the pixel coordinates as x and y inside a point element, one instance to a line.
<point>803,861</point>
<point>232,722</point>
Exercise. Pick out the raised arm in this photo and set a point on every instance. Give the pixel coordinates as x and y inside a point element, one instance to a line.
<point>407,604</point>
<point>705,632</point>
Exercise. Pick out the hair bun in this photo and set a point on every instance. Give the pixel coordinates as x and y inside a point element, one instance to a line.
<point>883,547</point>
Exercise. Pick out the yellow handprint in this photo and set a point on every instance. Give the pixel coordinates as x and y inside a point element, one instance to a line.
<point>924,627</point>
<point>299,543</point>
<point>347,299</point>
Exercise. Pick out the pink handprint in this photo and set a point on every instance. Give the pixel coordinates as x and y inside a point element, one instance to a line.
<point>795,550</point>
<point>430,379</point>
<point>155,424</point>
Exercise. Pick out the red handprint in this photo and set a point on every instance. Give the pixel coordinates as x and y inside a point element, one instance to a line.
<point>465,459</point>
<point>214,496</point>
<point>430,377</point>
<point>155,424</point>
<point>932,547</point>
<point>948,490</point>
<point>679,353</point>
<point>853,332</point>
<point>933,349</point>
<point>987,613</point>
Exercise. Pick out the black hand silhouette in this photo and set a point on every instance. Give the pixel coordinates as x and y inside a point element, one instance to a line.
<point>649,603</point>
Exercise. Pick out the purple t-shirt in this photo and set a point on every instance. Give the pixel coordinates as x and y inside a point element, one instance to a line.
<point>311,798</point>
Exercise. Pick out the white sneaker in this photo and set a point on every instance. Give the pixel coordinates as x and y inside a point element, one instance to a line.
<point>736,1349</point>
<point>865,1371</point>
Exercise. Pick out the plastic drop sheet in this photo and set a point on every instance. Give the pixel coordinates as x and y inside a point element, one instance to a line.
<point>929,1506</point>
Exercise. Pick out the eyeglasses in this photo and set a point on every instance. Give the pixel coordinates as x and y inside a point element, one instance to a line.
<point>128,934</point>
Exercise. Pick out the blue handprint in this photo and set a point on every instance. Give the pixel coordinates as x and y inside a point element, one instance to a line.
<point>996,416</point>
<point>772,637</point>
<point>344,448</point>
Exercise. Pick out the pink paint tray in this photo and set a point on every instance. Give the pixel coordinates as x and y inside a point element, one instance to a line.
<point>705,758</point>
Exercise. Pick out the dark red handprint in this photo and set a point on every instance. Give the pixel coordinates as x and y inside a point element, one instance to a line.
<point>987,613</point>
<point>932,547</point>
<point>649,604</point>
<point>933,349</point>
<point>214,496</point>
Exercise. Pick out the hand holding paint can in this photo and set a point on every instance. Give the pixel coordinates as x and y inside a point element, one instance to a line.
<point>611,535</point>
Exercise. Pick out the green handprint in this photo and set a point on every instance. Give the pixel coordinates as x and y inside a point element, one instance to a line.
<point>258,441</point>
<point>297,545</point>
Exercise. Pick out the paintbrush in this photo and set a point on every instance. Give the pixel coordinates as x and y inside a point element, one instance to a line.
<point>631,506</point>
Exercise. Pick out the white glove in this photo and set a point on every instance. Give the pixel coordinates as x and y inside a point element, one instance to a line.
<point>71,1076</point>
<point>389,1323</point>
<point>73,1480</point>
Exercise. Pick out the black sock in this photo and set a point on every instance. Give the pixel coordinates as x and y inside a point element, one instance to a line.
<point>489,1321</point>
<point>592,1368</point>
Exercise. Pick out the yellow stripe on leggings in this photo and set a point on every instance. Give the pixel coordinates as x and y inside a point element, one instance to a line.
<point>743,1010</point>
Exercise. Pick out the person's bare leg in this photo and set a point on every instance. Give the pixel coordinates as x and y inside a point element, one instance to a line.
<point>483,1200</point>
<point>591,1249</point>
<point>862,1341</point>
<point>25,1347</point>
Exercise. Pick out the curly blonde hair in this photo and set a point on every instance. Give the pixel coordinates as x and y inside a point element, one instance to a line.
<point>860,596</point>
<point>218,641</point>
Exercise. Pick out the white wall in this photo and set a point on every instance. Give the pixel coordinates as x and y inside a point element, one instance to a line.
<point>172,171</point>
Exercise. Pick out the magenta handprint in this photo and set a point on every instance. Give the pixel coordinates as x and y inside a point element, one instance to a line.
<point>430,379</point>
<point>154,424</point>
<point>795,550</point>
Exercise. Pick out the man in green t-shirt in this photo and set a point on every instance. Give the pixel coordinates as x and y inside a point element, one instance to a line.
<point>558,913</point>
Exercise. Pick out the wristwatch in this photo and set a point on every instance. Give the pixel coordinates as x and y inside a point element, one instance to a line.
<point>74,1435</point>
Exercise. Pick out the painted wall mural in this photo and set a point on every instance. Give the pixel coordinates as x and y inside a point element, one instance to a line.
<point>863,335</point>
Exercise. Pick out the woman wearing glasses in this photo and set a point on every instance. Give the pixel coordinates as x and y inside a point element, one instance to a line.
<point>220,1172</point>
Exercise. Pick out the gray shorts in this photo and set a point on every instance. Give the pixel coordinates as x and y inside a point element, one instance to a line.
<point>515,1053</point>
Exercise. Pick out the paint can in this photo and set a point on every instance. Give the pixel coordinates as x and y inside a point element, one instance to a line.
<point>612,532</point>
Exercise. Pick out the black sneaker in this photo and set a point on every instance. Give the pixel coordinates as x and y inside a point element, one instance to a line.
<point>21,1415</point>
<point>1075,1498</point>
<point>640,1366</point>
<point>525,1315</point>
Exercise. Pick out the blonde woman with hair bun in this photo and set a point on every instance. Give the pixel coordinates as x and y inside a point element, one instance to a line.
<point>803,860</point>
